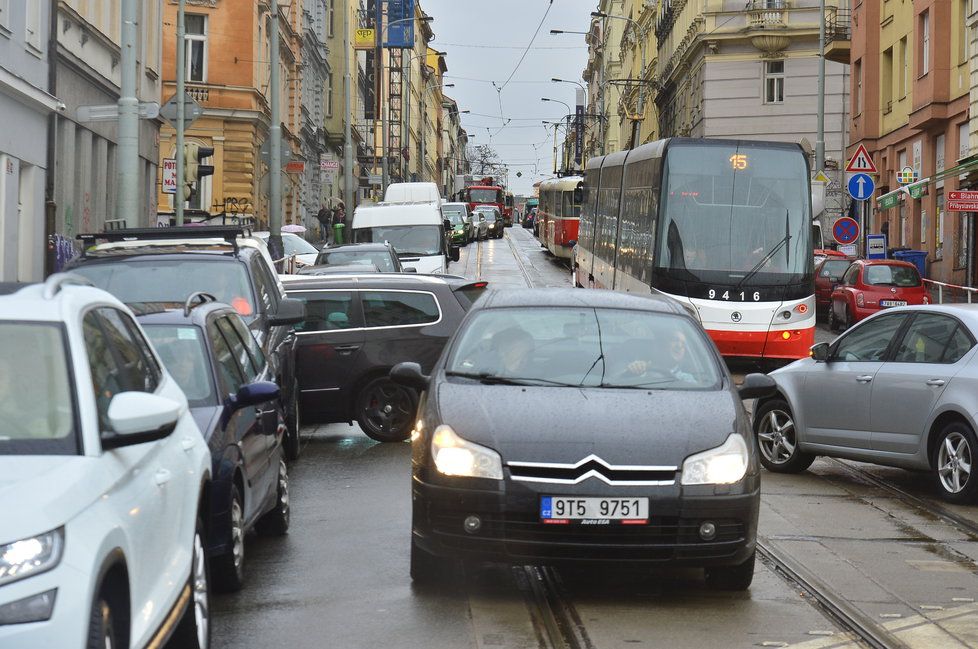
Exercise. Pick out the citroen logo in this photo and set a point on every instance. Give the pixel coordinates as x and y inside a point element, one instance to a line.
<point>735,316</point>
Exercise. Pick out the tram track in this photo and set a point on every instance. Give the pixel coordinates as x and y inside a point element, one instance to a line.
<point>554,618</point>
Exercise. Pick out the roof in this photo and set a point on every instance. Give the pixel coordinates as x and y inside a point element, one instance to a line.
<point>575,297</point>
<point>567,184</point>
<point>364,247</point>
<point>61,295</point>
<point>879,262</point>
<point>347,269</point>
<point>391,214</point>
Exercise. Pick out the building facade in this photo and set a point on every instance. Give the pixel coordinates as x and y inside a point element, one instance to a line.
<point>25,101</point>
<point>315,83</point>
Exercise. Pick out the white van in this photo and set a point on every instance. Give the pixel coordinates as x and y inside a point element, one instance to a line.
<point>412,193</point>
<point>416,230</point>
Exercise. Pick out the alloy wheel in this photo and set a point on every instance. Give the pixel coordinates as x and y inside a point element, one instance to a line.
<point>776,437</point>
<point>237,534</point>
<point>201,603</point>
<point>954,458</point>
<point>283,492</point>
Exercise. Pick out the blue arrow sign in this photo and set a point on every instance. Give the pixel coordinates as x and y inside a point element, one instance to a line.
<point>861,186</point>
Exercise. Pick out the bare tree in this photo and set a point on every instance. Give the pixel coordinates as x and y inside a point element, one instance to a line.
<point>483,159</point>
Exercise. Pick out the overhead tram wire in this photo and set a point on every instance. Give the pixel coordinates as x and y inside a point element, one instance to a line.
<point>508,47</point>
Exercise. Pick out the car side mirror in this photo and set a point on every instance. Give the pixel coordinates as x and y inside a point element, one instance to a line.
<point>820,352</point>
<point>290,311</point>
<point>139,417</point>
<point>254,394</point>
<point>410,375</point>
<point>454,253</point>
<point>757,386</point>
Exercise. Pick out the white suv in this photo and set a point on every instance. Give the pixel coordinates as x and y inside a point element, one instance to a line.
<point>103,476</point>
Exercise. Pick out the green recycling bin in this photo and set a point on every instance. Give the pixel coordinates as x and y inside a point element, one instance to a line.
<point>338,233</point>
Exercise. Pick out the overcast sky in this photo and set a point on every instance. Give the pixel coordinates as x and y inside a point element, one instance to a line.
<point>484,42</point>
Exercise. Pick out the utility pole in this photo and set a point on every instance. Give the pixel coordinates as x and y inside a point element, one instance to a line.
<point>820,136</point>
<point>181,108</point>
<point>347,127</point>
<point>275,246</point>
<point>127,157</point>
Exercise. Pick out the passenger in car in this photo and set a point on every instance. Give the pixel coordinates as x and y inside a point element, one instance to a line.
<point>669,361</point>
<point>512,347</point>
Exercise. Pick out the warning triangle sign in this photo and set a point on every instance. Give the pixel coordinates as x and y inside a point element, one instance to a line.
<point>861,162</point>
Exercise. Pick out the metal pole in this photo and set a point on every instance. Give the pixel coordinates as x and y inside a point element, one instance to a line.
<point>347,127</point>
<point>820,136</point>
<point>181,108</point>
<point>406,70</point>
<point>421,165</point>
<point>555,148</point>
<point>275,246</point>
<point>127,203</point>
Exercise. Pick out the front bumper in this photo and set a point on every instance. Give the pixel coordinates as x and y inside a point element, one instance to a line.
<point>68,625</point>
<point>511,531</point>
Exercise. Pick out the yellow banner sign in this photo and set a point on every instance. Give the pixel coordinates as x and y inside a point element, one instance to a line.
<point>365,39</point>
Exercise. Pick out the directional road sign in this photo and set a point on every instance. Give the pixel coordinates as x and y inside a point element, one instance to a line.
<point>266,152</point>
<point>861,162</point>
<point>110,112</point>
<point>861,186</point>
<point>845,230</point>
<point>191,111</point>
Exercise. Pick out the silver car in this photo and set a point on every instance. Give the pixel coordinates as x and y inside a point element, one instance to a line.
<point>480,224</point>
<point>900,388</point>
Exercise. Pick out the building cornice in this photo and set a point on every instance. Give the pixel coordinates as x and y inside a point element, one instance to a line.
<point>28,94</point>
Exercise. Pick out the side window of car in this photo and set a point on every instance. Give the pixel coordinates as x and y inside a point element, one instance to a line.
<point>102,365</point>
<point>393,309</point>
<point>254,349</point>
<point>261,284</point>
<point>228,373</point>
<point>849,279</point>
<point>238,350</point>
<point>926,339</point>
<point>959,345</point>
<point>870,341</point>
<point>328,311</point>
<point>137,373</point>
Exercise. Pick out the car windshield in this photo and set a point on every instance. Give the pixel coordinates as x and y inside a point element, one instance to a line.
<point>379,258</point>
<point>37,406</point>
<point>455,218</point>
<point>608,348</point>
<point>490,216</point>
<point>885,275</point>
<point>296,245</point>
<point>834,268</point>
<point>484,196</point>
<point>408,240</point>
<point>172,280</point>
<point>450,211</point>
<point>183,352</point>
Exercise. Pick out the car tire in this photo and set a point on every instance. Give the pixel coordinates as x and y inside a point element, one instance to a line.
<point>847,320</point>
<point>425,567</point>
<point>737,577</point>
<point>777,438</point>
<point>291,442</point>
<point>194,629</point>
<point>276,521</point>
<point>228,568</point>
<point>386,410</point>
<point>106,630</point>
<point>833,322</point>
<point>956,445</point>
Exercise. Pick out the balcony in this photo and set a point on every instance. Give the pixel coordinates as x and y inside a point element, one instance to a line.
<point>838,36</point>
<point>766,14</point>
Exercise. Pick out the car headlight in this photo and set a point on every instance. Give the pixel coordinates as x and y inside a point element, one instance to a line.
<point>724,464</point>
<point>31,556</point>
<point>456,457</point>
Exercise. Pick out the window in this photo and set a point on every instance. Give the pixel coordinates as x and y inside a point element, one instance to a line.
<point>963,34</point>
<point>183,352</point>
<point>857,76</point>
<point>870,341</point>
<point>330,18</point>
<point>228,373</point>
<point>928,338</point>
<point>33,34</point>
<point>390,309</point>
<point>238,349</point>
<point>329,94</point>
<point>254,349</point>
<point>902,78</point>
<point>195,40</point>
<point>849,279</point>
<point>151,23</point>
<point>327,311</point>
<point>886,80</point>
<point>137,373</point>
<point>267,290</point>
<point>924,24</point>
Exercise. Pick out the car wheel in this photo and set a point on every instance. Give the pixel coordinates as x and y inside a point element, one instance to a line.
<point>106,630</point>
<point>737,577</point>
<point>847,319</point>
<point>777,439</point>
<point>385,410</point>
<point>425,568</point>
<point>194,629</point>
<point>833,322</point>
<point>291,442</point>
<point>276,521</point>
<point>228,568</point>
<point>954,457</point>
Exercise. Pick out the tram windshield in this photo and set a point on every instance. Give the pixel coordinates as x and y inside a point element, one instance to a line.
<point>739,212</point>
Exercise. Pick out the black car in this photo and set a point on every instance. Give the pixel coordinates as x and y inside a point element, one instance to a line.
<point>622,439</point>
<point>210,352</point>
<point>380,255</point>
<point>168,264</point>
<point>359,326</point>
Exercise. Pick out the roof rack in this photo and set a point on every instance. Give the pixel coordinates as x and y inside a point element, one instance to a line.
<point>54,283</point>
<point>229,233</point>
<point>200,297</point>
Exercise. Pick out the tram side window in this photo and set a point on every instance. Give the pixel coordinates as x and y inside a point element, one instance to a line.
<point>608,197</point>
<point>586,233</point>
<point>638,220</point>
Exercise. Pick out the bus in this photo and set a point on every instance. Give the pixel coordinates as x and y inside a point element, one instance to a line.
<point>558,214</point>
<point>722,225</point>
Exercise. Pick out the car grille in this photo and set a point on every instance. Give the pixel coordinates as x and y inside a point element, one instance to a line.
<point>592,467</point>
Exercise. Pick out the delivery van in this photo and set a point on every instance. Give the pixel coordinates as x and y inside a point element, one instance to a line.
<point>412,193</point>
<point>415,230</point>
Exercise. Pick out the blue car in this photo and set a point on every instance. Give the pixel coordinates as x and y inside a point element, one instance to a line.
<point>215,359</point>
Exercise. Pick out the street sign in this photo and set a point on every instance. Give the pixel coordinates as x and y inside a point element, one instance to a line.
<point>364,39</point>
<point>918,189</point>
<point>110,112</point>
<point>861,162</point>
<point>907,175</point>
<point>329,165</point>
<point>848,249</point>
<point>191,110</point>
<point>266,152</point>
<point>295,167</point>
<point>169,175</point>
<point>821,177</point>
<point>875,246</point>
<point>961,206</point>
<point>861,186</point>
<point>962,196</point>
<point>845,230</point>
<point>887,201</point>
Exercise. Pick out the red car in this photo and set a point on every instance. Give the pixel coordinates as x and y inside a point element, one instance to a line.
<point>871,285</point>
<point>823,253</point>
<point>828,273</point>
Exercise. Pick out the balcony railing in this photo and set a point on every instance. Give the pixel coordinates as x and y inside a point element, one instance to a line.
<point>838,26</point>
<point>766,13</point>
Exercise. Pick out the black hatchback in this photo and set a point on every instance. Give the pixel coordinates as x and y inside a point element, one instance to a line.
<point>622,439</point>
<point>359,326</point>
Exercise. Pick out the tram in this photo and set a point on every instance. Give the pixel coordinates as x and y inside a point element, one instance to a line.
<point>723,225</point>
<point>558,214</point>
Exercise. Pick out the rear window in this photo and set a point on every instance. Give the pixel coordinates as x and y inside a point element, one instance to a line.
<point>885,275</point>
<point>379,258</point>
<point>834,268</point>
<point>399,309</point>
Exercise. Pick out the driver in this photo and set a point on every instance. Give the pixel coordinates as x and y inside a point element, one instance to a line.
<point>670,363</point>
<point>512,347</point>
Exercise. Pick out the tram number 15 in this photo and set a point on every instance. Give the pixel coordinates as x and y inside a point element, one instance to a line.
<point>743,295</point>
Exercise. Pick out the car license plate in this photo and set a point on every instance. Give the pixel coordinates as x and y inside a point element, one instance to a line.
<point>893,303</point>
<point>564,509</point>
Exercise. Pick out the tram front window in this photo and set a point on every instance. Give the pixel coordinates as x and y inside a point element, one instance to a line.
<point>729,212</point>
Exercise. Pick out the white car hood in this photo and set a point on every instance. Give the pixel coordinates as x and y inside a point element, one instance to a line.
<point>425,265</point>
<point>39,493</point>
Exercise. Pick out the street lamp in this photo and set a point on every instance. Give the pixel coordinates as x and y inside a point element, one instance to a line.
<point>565,31</point>
<point>643,34</point>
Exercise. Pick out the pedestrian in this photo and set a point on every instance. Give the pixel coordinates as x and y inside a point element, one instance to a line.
<point>324,216</point>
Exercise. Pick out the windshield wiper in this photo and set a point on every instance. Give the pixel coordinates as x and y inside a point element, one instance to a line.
<point>787,237</point>
<point>637,386</point>
<point>487,378</point>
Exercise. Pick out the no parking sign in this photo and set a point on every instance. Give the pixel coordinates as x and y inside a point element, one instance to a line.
<point>845,230</point>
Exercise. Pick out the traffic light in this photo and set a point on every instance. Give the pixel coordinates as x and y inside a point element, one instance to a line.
<point>193,171</point>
